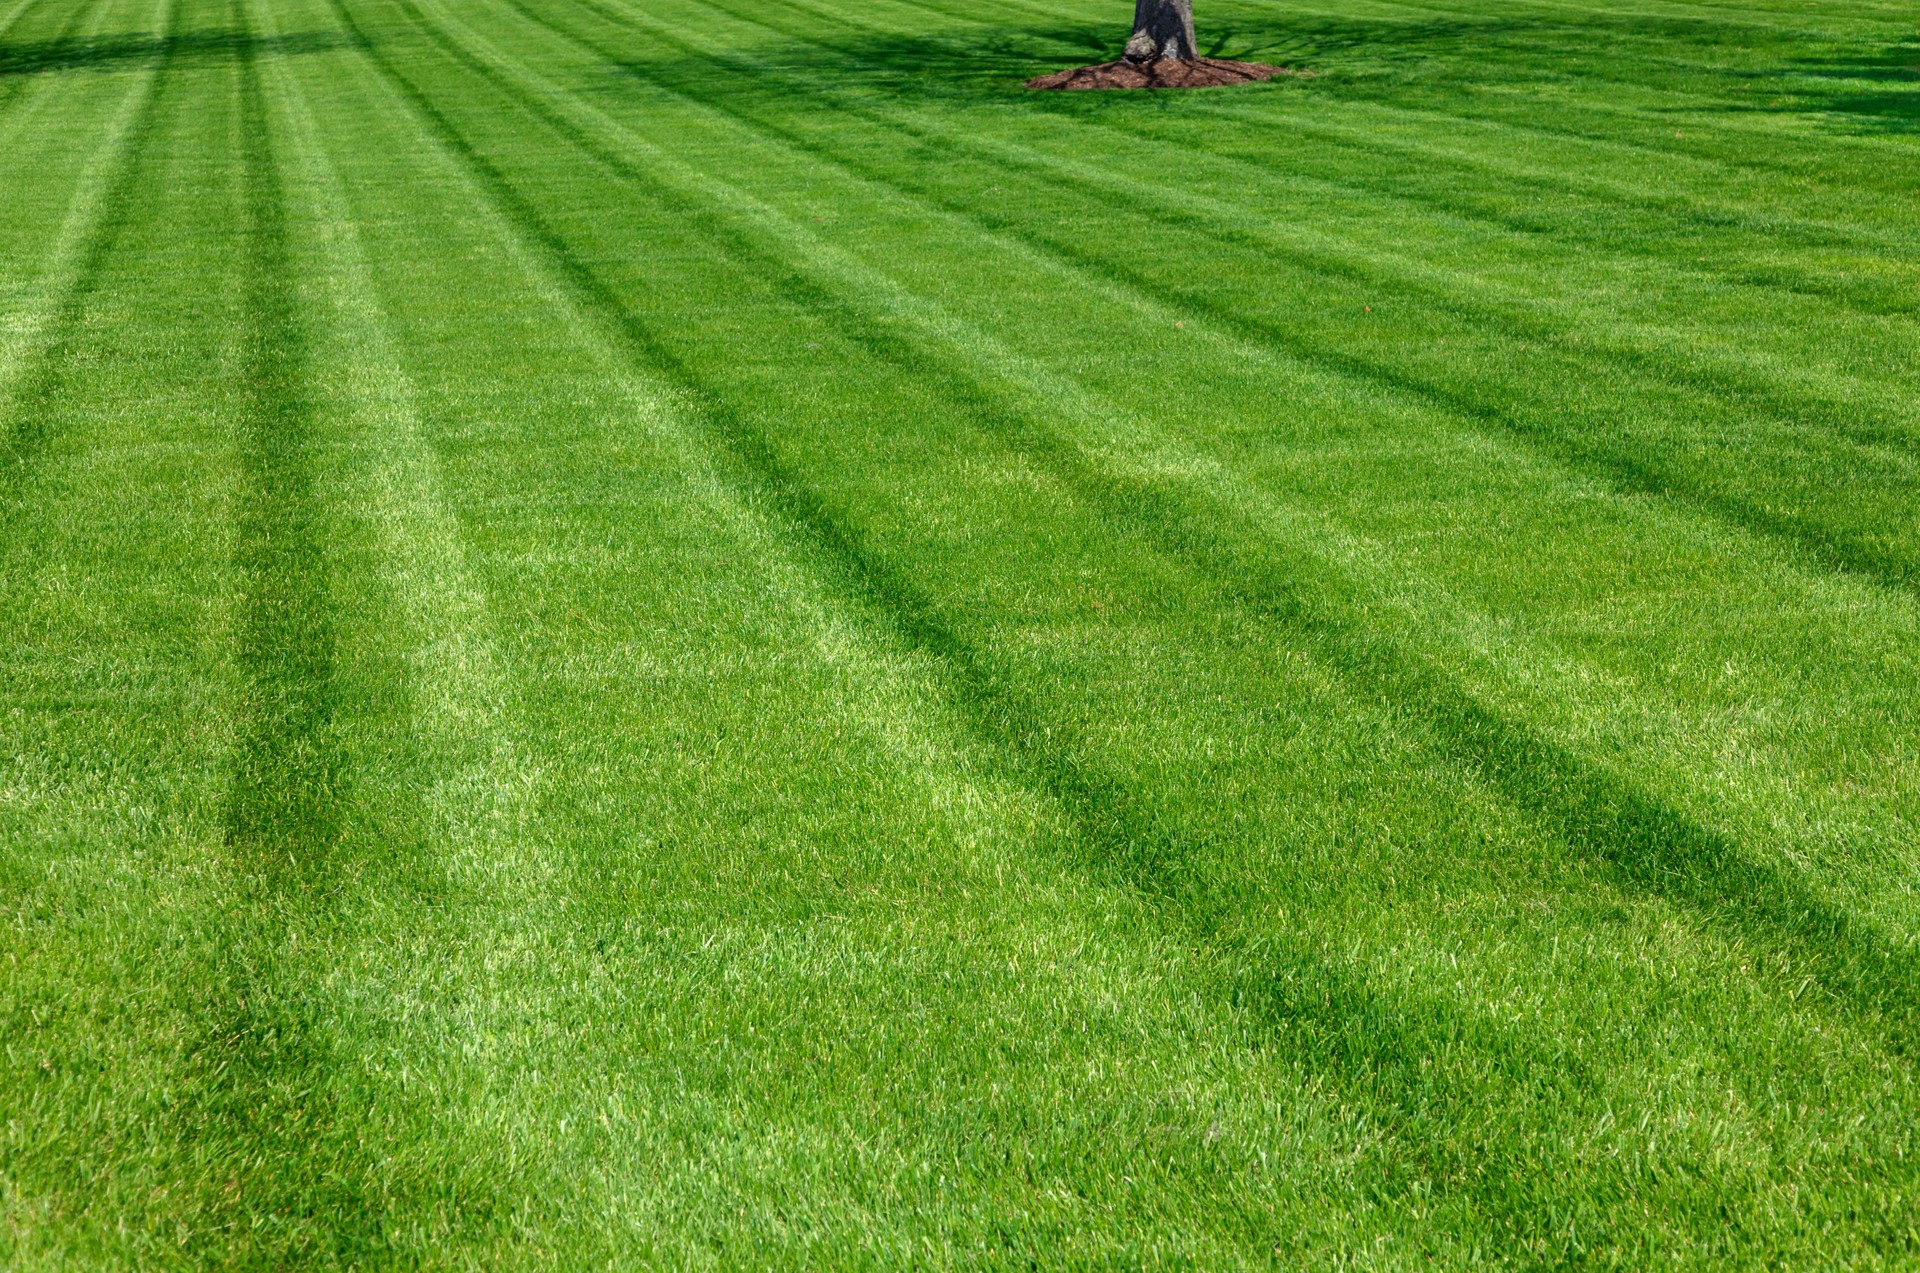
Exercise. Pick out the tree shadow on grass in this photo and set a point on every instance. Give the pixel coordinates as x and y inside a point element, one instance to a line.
<point>40,57</point>
<point>1875,93</point>
<point>956,57</point>
<point>960,59</point>
<point>960,66</point>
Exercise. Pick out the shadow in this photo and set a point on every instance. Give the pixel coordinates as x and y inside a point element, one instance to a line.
<point>954,56</point>
<point>969,67</point>
<point>957,55</point>
<point>994,66</point>
<point>1877,93</point>
<point>41,57</point>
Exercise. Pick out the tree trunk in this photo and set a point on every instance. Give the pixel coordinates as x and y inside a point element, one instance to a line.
<point>1162,31</point>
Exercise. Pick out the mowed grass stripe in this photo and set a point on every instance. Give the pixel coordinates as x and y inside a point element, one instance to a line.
<point>1837,397</point>
<point>1696,391</point>
<point>122,590</point>
<point>1111,837</point>
<point>1650,845</point>
<point>50,191</point>
<point>347,843</point>
<point>1763,207</point>
<point>35,371</point>
<point>1347,1027</point>
<point>1527,164</point>
<point>260,1101</point>
<point>1527,326</point>
<point>1636,474</point>
<point>881,287</point>
<point>14,15</point>
<point>461,697</point>
<point>482,173</point>
<point>284,813</point>
<point>843,740</point>
<point>26,84</point>
<point>1046,402</point>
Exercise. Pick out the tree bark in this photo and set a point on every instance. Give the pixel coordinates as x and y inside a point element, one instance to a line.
<point>1162,31</point>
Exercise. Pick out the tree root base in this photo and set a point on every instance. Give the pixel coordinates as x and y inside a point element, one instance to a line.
<point>1204,72</point>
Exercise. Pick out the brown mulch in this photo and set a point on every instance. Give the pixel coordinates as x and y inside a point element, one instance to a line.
<point>1205,72</point>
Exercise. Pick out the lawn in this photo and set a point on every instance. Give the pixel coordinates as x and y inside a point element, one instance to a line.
<point>699,633</point>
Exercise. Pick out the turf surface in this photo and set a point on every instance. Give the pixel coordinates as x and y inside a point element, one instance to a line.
<point>695,632</point>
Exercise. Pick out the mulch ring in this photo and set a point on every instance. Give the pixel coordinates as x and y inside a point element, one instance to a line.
<point>1205,72</point>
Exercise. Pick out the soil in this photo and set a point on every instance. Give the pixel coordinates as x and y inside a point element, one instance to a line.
<point>1205,72</point>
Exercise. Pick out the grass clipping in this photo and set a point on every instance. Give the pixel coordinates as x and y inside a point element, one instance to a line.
<point>1203,72</point>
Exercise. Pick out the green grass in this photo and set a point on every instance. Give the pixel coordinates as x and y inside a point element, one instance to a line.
<point>696,633</point>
